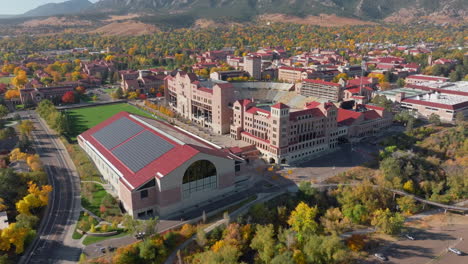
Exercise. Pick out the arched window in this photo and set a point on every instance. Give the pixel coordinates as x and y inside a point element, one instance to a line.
<point>201,175</point>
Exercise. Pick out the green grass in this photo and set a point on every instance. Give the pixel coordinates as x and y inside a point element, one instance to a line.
<point>109,90</point>
<point>95,202</point>
<point>5,80</point>
<point>93,239</point>
<point>88,117</point>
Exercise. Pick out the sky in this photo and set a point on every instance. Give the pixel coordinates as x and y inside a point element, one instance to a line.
<point>16,7</point>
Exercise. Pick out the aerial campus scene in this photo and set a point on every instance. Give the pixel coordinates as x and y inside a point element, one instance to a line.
<point>241,131</point>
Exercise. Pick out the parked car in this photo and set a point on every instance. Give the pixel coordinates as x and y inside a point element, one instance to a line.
<point>103,250</point>
<point>139,235</point>
<point>381,257</point>
<point>454,250</point>
<point>111,248</point>
<point>410,237</point>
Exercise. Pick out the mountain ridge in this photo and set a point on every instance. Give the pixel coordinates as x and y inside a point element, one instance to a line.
<point>66,7</point>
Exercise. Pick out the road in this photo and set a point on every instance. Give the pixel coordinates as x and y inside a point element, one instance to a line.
<point>53,243</point>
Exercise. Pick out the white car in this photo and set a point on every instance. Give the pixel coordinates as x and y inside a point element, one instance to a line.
<point>410,237</point>
<point>454,250</point>
<point>381,257</point>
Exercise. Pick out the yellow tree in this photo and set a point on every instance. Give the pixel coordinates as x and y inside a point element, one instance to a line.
<point>302,220</point>
<point>26,127</point>
<point>20,79</point>
<point>10,94</point>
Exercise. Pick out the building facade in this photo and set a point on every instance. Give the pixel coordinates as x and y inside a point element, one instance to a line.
<point>157,170</point>
<point>290,74</point>
<point>322,89</point>
<point>253,65</point>
<point>205,103</point>
<point>284,135</point>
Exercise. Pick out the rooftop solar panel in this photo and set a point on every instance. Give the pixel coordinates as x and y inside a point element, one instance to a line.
<point>117,132</point>
<point>142,150</point>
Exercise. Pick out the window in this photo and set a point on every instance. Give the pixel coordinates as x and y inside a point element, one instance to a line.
<point>201,175</point>
<point>143,194</point>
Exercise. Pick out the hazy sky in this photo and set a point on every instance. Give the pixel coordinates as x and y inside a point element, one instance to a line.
<point>15,7</point>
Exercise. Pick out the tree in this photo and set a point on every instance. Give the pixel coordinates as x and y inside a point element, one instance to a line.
<point>410,125</point>
<point>226,254</point>
<point>3,111</point>
<point>264,242</point>
<point>10,94</point>
<point>434,119</point>
<point>20,80</point>
<point>68,97</point>
<point>334,222</point>
<point>407,205</point>
<point>400,82</point>
<point>283,258</point>
<point>117,94</point>
<point>459,118</point>
<point>80,90</point>
<point>201,237</point>
<point>26,127</point>
<point>302,220</point>
<point>324,249</point>
<point>387,222</point>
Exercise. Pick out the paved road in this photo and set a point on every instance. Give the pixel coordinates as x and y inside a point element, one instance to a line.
<point>53,243</point>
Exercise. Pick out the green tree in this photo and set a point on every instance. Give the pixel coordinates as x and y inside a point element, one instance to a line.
<point>264,242</point>
<point>407,205</point>
<point>3,111</point>
<point>400,82</point>
<point>387,222</point>
<point>434,119</point>
<point>283,258</point>
<point>324,249</point>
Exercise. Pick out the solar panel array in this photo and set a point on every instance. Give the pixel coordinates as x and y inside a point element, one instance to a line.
<point>117,132</point>
<point>142,150</point>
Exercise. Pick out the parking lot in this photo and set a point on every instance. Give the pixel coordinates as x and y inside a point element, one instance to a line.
<point>433,236</point>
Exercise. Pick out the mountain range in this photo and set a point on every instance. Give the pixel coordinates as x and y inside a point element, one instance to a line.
<point>245,10</point>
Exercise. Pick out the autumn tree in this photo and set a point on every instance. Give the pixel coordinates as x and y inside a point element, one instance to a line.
<point>406,205</point>
<point>334,222</point>
<point>302,220</point>
<point>387,222</point>
<point>26,127</point>
<point>68,97</point>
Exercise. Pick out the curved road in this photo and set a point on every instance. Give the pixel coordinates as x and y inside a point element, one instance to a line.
<point>53,243</point>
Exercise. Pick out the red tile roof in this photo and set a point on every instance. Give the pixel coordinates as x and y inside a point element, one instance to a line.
<point>254,110</point>
<point>347,117</point>
<point>280,106</point>
<point>164,164</point>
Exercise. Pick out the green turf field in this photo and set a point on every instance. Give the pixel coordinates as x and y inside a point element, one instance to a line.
<point>5,80</point>
<point>87,117</point>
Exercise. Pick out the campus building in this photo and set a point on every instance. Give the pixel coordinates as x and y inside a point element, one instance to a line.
<point>290,74</point>
<point>284,135</point>
<point>444,99</point>
<point>322,89</point>
<point>364,121</point>
<point>206,103</point>
<point>253,65</point>
<point>156,169</point>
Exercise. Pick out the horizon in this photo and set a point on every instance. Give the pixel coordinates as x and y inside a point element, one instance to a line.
<point>22,6</point>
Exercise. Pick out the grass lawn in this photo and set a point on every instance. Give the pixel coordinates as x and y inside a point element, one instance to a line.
<point>93,239</point>
<point>93,203</point>
<point>109,90</point>
<point>88,117</point>
<point>5,80</point>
